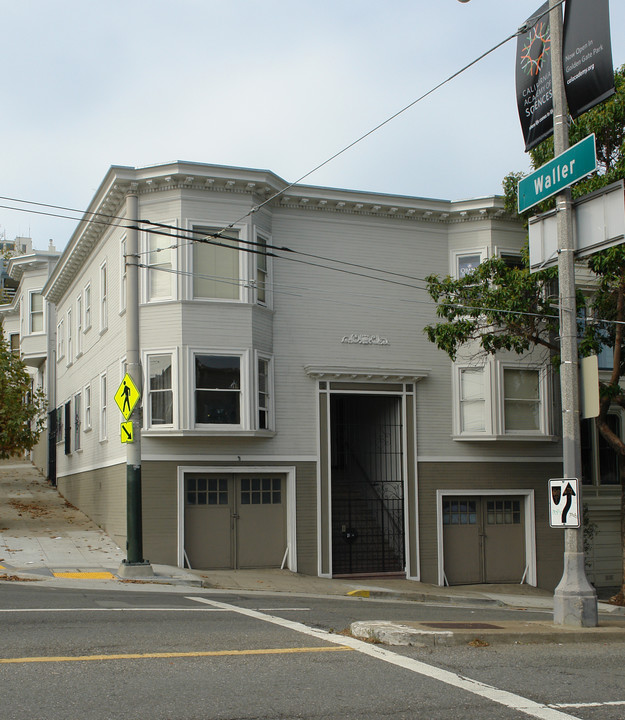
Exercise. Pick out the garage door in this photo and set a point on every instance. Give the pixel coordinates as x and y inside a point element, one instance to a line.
<point>234,521</point>
<point>483,539</point>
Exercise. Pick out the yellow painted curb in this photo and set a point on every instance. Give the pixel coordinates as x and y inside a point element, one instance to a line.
<point>85,575</point>
<point>359,593</point>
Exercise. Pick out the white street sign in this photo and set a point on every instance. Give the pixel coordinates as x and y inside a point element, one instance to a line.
<point>564,503</point>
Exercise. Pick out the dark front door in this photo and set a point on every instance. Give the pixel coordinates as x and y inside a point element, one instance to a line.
<point>367,484</point>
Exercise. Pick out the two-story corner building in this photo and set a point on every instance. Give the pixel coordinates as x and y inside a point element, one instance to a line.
<point>28,322</point>
<point>294,413</point>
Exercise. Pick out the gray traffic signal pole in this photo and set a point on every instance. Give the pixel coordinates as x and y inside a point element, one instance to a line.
<point>575,600</point>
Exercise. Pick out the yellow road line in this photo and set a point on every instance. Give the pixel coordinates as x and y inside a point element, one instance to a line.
<point>141,656</point>
<point>85,575</point>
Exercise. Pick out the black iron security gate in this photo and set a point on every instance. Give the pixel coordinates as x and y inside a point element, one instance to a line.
<point>367,484</point>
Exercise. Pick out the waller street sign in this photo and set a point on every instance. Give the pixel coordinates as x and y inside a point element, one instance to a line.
<point>569,167</point>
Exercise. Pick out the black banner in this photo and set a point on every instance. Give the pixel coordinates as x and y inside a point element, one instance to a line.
<point>587,55</point>
<point>533,79</point>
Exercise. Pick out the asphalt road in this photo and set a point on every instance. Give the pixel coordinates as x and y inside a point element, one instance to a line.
<point>74,654</point>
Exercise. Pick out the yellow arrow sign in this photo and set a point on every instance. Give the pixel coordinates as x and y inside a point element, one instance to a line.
<point>127,396</point>
<point>127,433</point>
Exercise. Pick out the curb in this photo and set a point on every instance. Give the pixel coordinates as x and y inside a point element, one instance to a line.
<point>397,634</point>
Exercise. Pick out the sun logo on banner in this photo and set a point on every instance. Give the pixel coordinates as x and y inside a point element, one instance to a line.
<point>537,47</point>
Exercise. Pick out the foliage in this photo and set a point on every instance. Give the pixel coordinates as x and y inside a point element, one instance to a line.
<point>22,411</point>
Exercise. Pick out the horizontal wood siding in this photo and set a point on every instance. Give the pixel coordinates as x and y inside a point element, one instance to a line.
<point>101,495</point>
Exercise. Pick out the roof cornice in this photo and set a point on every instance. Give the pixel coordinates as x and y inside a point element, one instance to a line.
<point>262,187</point>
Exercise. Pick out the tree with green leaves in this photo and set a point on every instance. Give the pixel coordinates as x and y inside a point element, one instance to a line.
<point>497,307</point>
<point>22,409</point>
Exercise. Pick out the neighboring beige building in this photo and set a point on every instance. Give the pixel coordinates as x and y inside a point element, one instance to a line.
<point>294,412</point>
<point>28,324</point>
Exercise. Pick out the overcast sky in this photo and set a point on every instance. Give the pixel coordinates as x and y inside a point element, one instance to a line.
<point>274,84</point>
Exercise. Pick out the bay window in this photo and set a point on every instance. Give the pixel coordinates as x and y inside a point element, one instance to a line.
<point>522,405</point>
<point>216,265</point>
<point>160,390</point>
<point>217,389</point>
<point>36,312</point>
<point>160,279</point>
<point>501,399</point>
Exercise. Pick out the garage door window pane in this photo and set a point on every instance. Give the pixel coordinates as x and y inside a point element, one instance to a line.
<point>459,512</point>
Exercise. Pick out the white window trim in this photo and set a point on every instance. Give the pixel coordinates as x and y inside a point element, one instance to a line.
<point>70,338</point>
<point>104,297</point>
<point>147,418</point>
<point>271,424</point>
<point>245,268</point>
<point>60,340</point>
<point>456,255</point>
<point>543,397</point>
<point>78,423</point>
<point>87,422</point>
<point>173,275</point>
<point>103,413</point>
<point>244,390</point>
<point>30,313</point>
<point>79,323</point>
<point>266,237</point>
<point>87,309</point>
<point>123,275</point>
<point>494,400</point>
<point>488,431</point>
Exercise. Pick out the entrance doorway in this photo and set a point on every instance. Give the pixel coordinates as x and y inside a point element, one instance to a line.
<point>484,539</point>
<point>234,521</point>
<point>367,484</point>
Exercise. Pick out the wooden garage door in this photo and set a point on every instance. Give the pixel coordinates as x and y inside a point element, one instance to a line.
<point>483,539</point>
<point>234,521</point>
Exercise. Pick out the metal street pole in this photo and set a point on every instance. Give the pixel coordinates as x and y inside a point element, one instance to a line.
<point>575,600</point>
<point>134,566</point>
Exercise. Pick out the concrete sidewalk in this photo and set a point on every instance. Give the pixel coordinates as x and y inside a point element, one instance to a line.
<point>44,538</point>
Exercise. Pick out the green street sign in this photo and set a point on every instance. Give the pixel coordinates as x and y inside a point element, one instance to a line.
<point>569,167</point>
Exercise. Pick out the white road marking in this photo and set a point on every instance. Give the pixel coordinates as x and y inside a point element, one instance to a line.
<point>588,704</point>
<point>489,692</point>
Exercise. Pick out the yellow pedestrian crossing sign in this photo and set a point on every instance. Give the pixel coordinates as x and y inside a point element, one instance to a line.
<point>127,396</point>
<point>127,433</point>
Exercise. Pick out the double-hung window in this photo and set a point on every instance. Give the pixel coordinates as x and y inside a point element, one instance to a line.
<point>160,388</point>
<point>264,396</point>
<point>123,275</point>
<point>103,297</point>
<point>261,280</point>
<point>87,294</point>
<point>501,399</point>
<point>70,338</point>
<point>217,389</point>
<point>216,264</point>
<point>473,400</point>
<point>521,400</point>
<point>160,266</point>
<point>36,313</point>
<point>79,326</point>
<point>87,394</point>
<point>103,401</point>
<point>60,340</point>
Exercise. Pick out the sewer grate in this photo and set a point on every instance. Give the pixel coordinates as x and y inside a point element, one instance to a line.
<point>461,626</point>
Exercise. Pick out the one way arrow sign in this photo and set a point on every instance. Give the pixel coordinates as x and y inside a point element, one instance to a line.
<point>564,503</point>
